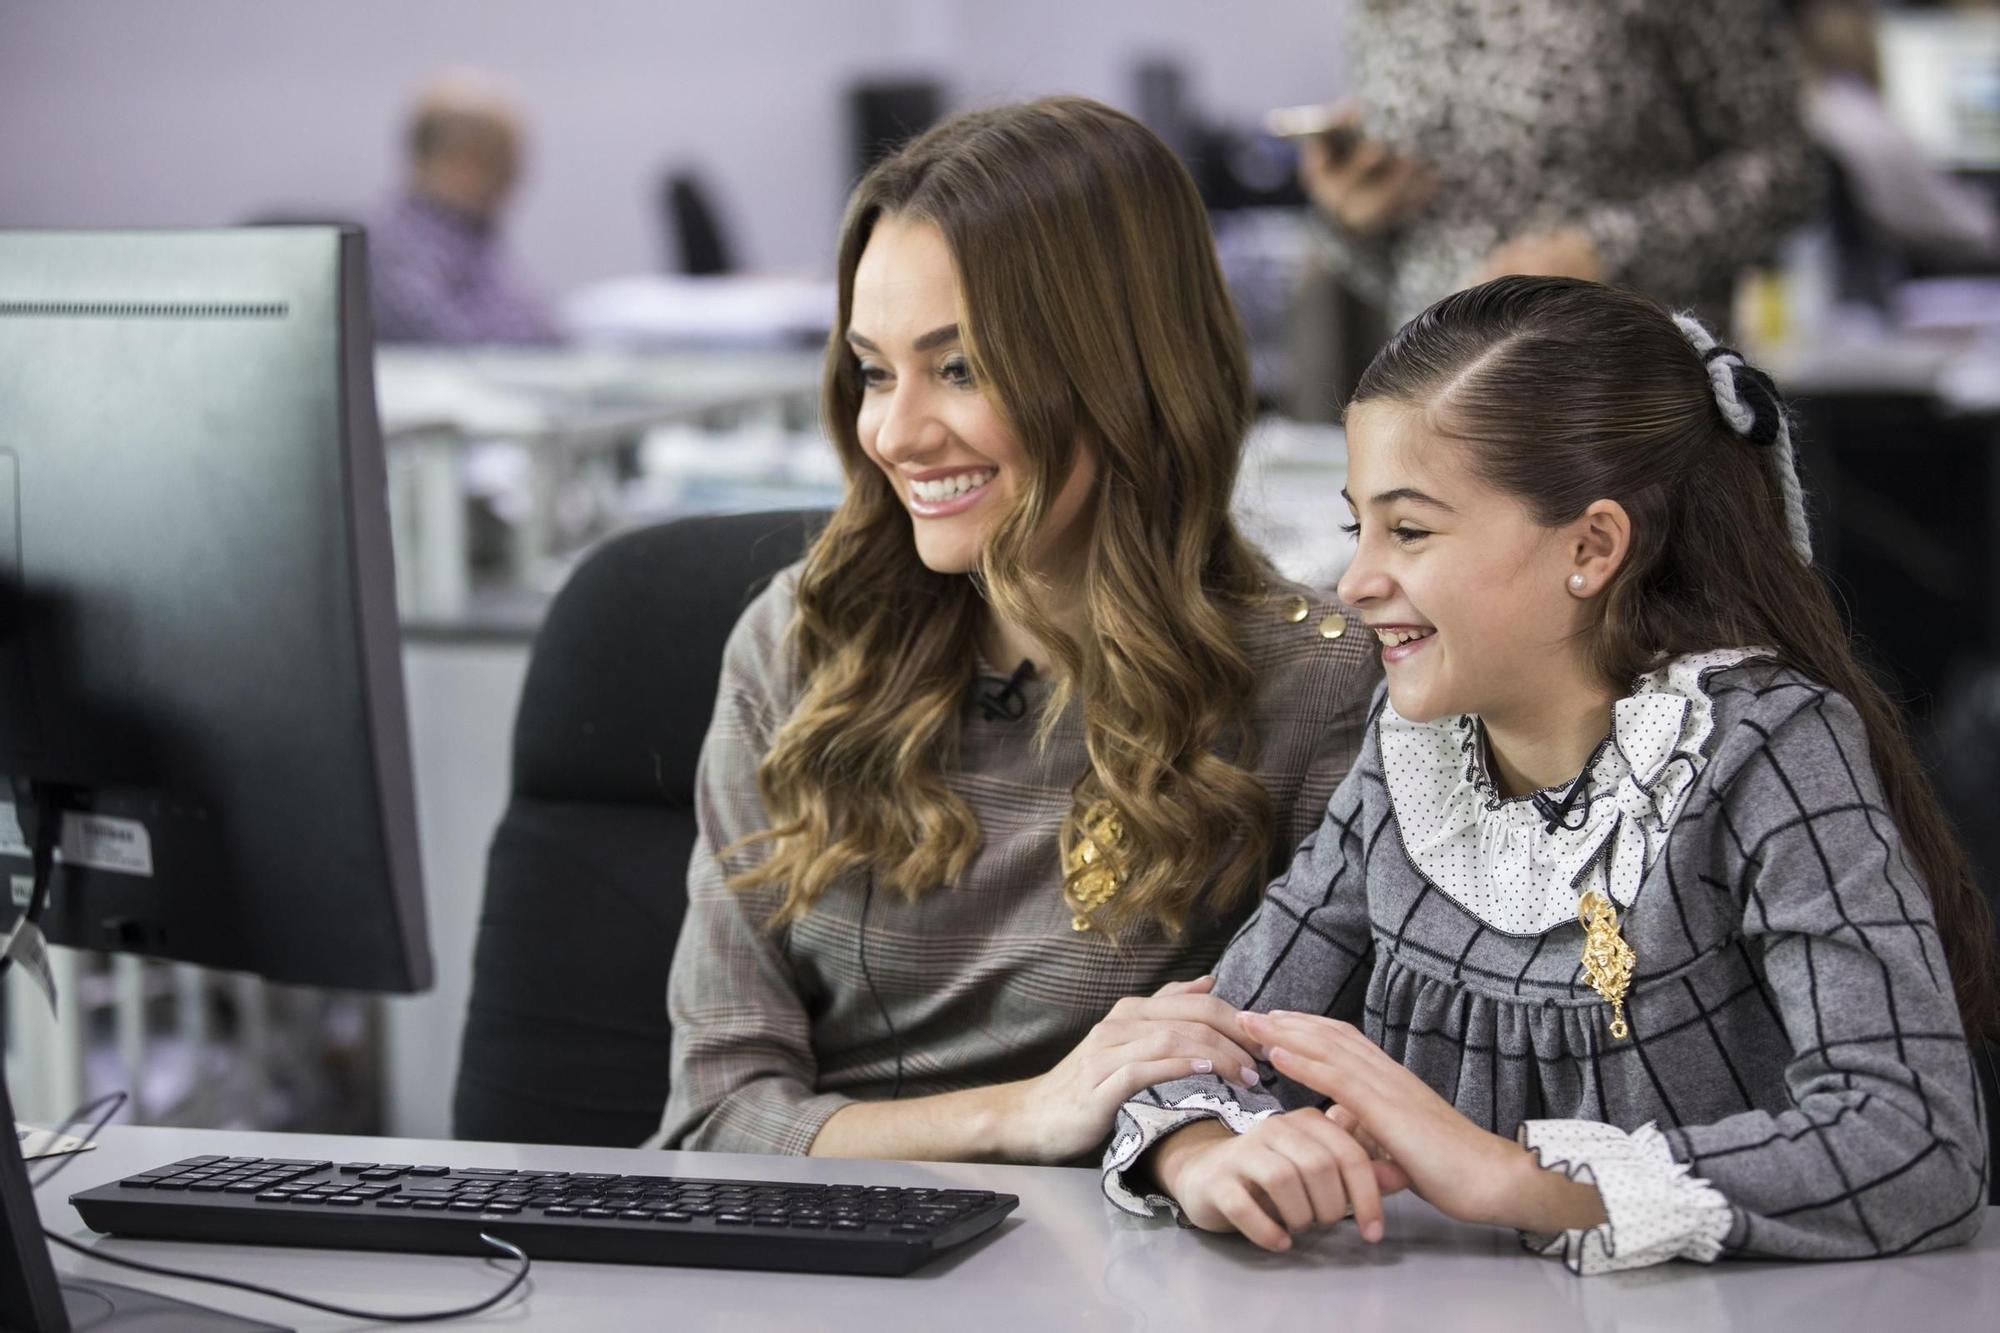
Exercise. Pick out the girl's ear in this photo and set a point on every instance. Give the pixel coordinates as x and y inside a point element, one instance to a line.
<point>1600,539</point>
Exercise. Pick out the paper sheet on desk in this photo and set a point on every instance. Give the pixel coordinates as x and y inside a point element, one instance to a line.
<point>47,1143</point>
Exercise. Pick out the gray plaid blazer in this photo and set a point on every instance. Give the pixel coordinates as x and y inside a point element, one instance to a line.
<point>974,984</point>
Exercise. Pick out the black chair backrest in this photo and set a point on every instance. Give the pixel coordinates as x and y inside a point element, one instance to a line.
<point>696,233</point>
<point>566,1035</point>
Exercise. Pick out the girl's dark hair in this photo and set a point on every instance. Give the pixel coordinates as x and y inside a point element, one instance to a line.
<point>1570,392</point>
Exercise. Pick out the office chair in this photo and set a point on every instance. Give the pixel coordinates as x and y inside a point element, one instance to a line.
<point>695,234</point>
<point>566,1035</point>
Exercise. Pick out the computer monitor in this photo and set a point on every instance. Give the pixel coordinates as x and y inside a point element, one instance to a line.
<point>1941,81</point>
<point>200,671</point>
<point>199,651</point>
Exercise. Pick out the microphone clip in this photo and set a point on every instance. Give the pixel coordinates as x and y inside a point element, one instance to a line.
<point>1008,702</point>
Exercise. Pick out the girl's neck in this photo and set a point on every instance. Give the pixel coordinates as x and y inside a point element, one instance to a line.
<point>1547,742</point>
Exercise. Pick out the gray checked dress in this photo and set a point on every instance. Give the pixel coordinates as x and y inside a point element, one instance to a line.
<point>975,983</point>
<point>1795,1082</point>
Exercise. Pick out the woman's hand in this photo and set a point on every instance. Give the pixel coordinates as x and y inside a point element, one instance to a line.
<point>1363,184</point>
<point>1460,1169</point>
<point>1288,1173</point>
<point>1178,1030</point>
<point>1568,253</point>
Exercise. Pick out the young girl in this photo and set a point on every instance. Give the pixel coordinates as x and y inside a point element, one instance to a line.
<point>997,770</point>
<point>1635,925</point>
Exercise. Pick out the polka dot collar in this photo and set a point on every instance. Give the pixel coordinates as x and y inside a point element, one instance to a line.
<point>1519,864</point>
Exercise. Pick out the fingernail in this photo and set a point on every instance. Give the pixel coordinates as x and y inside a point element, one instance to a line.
<point>1275,1052</point>
<point>1248,1077</point>
<point>1373,1231</point>
<point>1248,1016</point>
<point>1204,1066</point>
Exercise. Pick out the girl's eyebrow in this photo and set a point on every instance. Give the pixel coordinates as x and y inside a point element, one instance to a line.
<point>1409,493</point>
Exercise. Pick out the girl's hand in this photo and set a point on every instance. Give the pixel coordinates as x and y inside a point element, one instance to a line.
<point>1460,1169</point>
<point>1290,1172</point>
<point>1178,1030</point>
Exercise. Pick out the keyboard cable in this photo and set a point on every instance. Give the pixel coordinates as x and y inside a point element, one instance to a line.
<point>116,1100</point>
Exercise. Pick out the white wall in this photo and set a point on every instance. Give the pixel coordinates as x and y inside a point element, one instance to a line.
<point>462,699</point>
<point>174,112</point>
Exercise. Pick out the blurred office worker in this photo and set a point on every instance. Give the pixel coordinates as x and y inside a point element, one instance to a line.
<point>441,274</point>
<point>1651,145</point>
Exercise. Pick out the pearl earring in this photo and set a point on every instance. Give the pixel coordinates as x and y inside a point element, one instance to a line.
<point>1576,582</point>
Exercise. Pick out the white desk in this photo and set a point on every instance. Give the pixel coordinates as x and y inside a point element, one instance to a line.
<point>1064,1260</point>
<point>563,408</point>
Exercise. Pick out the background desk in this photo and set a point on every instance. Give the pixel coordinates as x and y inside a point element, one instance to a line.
<point>1065,1260</point>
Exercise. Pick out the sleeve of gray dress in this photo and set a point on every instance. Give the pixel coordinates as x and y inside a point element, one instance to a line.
<point>1739,73</point>
<point>1307,948</point>
<point>744,1072</point>
<point>1882,1149</point>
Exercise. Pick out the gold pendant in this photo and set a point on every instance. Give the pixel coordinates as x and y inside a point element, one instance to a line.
<point>1607,958</point>
<point>1090,875</point>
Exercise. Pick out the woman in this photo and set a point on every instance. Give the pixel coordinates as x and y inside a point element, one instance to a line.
<point>1636,926</point>
<point>1021,737</point>
<point>1655,146</point>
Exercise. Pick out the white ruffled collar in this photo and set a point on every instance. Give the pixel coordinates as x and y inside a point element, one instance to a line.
<point>1509,861</point>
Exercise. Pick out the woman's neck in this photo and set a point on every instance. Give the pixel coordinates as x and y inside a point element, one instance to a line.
<point>1006,644</point>
<point>1546,744</point>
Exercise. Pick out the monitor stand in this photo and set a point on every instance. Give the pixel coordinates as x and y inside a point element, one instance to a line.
<point>33,1299</point>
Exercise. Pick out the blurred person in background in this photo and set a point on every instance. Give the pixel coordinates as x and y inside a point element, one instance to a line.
<point>440,272</point>
<point>1649,145</point>
<point>1910,211</point>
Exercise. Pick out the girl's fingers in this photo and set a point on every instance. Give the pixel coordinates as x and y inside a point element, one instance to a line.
<point>1391,1178</point>
<point>1318,1075</point>
<point>1198,986</point>
<point>1344,1117</point>
<point>1357,1174</point>
<point>1279,1179</point>
<point>1340,1157</point>
<point>1311,1152</point>
<point>1235,1202</point>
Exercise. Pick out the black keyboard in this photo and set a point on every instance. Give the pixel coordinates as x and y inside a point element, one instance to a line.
<point>549,1214</point>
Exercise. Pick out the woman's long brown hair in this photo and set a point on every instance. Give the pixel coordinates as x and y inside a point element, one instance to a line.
<point>1568,392</point>
<point>1095,317</point>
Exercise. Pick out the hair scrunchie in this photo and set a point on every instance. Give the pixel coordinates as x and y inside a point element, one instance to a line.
<point>1749,402</point>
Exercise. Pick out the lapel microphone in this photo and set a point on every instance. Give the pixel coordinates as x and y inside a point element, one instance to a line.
<point>1007,702</point>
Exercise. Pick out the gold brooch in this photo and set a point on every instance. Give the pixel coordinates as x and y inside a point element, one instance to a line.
<point>1607,958</point>
<point>1090,876</point>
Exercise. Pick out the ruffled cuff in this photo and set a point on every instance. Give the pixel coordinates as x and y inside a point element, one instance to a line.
<point>1143,1124</point>
<point>1654,1210</point>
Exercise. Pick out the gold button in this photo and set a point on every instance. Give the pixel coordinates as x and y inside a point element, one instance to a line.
<point>1333,626</point>
<point>1297,609</point>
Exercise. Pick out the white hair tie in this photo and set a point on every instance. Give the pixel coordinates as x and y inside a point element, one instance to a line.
<point>1750,403</point>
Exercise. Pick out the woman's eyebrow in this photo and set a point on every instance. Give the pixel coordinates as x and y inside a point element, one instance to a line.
<point>938,337</point>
